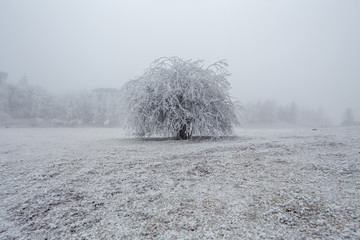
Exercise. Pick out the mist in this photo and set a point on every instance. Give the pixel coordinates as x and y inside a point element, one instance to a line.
<point>110,127</point>
<point>305,51</point>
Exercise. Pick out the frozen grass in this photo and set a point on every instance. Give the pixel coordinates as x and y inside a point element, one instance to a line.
<point>100,184</point>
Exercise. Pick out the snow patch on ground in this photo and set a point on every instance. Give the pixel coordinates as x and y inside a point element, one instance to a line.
<point>100,184</point>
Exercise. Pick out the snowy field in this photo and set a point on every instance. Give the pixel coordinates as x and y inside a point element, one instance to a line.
<point>64,183</point>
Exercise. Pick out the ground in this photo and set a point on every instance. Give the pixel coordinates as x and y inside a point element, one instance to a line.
<point>79,183</point>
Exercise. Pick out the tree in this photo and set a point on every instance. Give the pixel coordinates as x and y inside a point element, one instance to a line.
<point>4,98</point>
<point>105,106</point>
<point>180,98</point>
<point>348,118</point>
<point>266,112</point>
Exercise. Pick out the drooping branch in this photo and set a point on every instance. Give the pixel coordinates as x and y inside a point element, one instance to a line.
<point>179,98</point>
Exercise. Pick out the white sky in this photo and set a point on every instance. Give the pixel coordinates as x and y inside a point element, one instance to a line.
<point>307,51</point>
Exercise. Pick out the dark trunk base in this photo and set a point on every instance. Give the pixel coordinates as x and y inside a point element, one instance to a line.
<point>183,134</point>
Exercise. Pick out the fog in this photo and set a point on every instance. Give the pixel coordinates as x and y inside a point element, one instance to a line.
<point>302,51</point>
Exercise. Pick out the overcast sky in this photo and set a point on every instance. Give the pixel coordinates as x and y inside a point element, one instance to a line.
<point>305,51</point>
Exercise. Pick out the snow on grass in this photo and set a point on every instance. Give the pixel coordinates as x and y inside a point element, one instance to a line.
<point>101,184</point>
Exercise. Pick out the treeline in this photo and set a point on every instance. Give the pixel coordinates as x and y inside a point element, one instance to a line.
<point>27,104</point>
<point>270,112</point>
<point>30,105</point>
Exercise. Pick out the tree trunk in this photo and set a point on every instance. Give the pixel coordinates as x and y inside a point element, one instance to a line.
<point>183,132</point>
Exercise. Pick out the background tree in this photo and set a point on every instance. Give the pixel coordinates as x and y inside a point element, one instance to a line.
<point>180,98</point>
<point>105,106</point>
<point>348,118</point>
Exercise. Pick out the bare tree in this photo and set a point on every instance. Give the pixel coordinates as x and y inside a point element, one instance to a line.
<point>348,118</point>
<point>180,98</point>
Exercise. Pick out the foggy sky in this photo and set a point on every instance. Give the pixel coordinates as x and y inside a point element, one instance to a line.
<point>304,51</point>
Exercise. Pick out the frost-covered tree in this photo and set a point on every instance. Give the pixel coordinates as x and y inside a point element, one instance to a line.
<point>105,106</point>
<point>4,98</point>
<point>348,118</point>
<point>180,98</point>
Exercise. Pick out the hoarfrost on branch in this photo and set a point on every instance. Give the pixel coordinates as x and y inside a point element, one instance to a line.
<point>180,98</point>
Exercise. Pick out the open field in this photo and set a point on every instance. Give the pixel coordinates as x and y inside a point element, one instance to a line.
<point>68,183</point>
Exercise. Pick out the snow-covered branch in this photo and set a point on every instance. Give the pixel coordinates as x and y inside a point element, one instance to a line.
<point>180,98</point>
